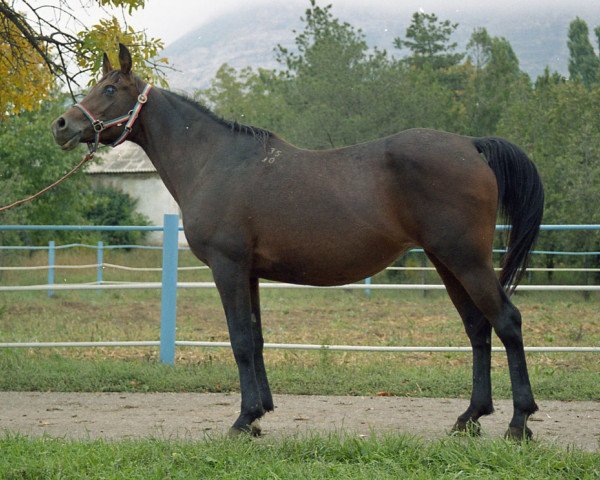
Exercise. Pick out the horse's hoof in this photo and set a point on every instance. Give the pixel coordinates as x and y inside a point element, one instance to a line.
<point>253,429</point>
<point>471,428</point>
<point>518,434</point>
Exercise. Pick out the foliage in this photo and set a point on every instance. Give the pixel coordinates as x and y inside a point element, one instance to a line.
<point>584,64</point>
<point>109,206</point>
<point>429,42</point>
<point>332,90</point>
<point>30,162</point>
<point>23,79</point>
<point>108,33</point>
<point>36,49</point>
<point>557,125</point>
<point>494,82</point>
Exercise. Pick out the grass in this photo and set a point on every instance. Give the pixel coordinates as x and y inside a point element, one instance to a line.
<point>290,316</point>
<point>387,318</point>
<point>380,375</point>
<point>332,456</point>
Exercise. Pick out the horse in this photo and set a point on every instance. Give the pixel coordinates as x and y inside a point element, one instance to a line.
<point>254,206</point>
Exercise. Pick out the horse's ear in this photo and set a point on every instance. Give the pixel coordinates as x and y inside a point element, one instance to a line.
<point>106,66</point>
<point>124,59</point>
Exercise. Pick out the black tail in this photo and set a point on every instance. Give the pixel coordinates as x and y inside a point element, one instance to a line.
<point>521,202</point>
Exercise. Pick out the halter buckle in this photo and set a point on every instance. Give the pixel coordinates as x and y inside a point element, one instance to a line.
<point>142,98</point>
<point>98,126</point>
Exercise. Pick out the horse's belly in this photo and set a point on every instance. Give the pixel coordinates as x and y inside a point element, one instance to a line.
<point>329,266</point>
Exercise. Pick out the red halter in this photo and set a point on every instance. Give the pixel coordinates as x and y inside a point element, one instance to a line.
<point>101,125</point>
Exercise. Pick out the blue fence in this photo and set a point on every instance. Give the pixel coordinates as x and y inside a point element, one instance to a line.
<point>170,255</point>
<point>170,231</point>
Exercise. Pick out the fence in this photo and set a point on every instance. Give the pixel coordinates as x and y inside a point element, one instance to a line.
<point>169,285</point>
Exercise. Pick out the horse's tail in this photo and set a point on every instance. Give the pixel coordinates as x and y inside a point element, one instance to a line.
<point>521,203</point>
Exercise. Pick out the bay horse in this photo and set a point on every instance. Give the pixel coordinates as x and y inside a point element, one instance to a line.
<point>254,206</point>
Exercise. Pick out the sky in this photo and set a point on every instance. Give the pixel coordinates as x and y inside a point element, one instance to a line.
<point>170,19</point>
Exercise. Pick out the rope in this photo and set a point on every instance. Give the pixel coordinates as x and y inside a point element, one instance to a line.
<point>85,159</point>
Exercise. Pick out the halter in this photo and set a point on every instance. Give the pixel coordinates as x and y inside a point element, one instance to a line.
<point>129,119</point>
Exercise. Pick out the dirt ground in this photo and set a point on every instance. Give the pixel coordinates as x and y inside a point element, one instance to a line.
<point>195,416</point>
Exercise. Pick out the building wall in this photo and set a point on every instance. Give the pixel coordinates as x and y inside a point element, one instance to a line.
<point>154,200</point>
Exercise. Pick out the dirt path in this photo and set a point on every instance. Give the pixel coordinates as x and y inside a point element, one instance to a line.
<point>193,416</point>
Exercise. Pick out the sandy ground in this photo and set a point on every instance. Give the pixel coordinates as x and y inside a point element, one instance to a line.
<point>196,416</point>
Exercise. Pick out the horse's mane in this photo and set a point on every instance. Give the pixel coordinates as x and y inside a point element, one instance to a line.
<point>260,134</point>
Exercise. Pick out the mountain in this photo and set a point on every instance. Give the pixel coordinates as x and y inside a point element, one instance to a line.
<point>537,31</point>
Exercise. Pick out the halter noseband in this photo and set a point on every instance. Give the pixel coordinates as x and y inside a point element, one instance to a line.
<point>101,125</point>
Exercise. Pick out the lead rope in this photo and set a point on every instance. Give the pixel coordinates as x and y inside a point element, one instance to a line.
<point>85,159</point>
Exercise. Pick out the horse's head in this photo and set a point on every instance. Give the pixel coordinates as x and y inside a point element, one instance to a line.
<point>107,113</point>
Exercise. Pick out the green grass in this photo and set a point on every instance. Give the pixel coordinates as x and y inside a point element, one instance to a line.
<point>387,318</point>
<point>382,373</point>
<point>332,456</point>
<point>320,316</point>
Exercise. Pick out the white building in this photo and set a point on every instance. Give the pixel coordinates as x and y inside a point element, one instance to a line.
<point>127,168</point>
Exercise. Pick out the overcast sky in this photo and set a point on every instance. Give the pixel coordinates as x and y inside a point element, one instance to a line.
<point>170,19</point>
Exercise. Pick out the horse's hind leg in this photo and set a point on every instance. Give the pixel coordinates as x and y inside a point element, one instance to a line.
<point>479,331</point>
<point>480,282</point>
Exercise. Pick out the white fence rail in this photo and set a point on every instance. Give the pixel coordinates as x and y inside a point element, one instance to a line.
<point>290,346</point>
<point>276,285</point>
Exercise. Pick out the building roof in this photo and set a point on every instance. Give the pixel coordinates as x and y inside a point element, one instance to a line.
<point>126,158</point>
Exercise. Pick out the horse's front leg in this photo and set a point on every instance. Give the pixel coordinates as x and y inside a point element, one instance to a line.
<point>259,363</point>
<point>233,283</point>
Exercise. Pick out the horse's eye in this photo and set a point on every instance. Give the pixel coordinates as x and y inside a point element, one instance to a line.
<point>110,90</point>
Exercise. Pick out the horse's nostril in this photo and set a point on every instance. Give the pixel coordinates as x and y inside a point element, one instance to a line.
<point>61,122</point>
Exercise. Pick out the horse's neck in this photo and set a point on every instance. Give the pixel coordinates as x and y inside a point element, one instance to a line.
<point>177,139</point>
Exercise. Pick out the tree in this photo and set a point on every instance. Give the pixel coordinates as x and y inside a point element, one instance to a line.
<point>557,126</point>
<point>429,42</point>
<point>35,49</point>
<point>494,82</point>
<point>244,96</point>
<point>331,90</point>
<point>30,161</point>
<point>109,206</point>
<point>332,83</point>
<point>584,64</point>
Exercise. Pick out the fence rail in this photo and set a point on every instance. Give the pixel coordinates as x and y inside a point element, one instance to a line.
<point>349,286</point>
<point>290,346</point>
<point>169,286</point>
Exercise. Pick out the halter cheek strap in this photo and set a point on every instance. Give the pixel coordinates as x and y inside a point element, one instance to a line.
<point>129,119</point>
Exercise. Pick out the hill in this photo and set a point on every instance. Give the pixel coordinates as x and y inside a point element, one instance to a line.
<point>536,30</point>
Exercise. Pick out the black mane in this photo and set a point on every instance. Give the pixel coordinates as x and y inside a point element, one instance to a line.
<point>260,134</point>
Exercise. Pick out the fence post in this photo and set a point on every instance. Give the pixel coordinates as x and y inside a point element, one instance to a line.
<point>424,272</point>
<point>51,261</point>
<point>100,259</point>
<point>168,308</point>
<point>368,281</point>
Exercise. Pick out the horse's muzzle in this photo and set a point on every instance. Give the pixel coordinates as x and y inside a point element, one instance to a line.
<point>66,135</point>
